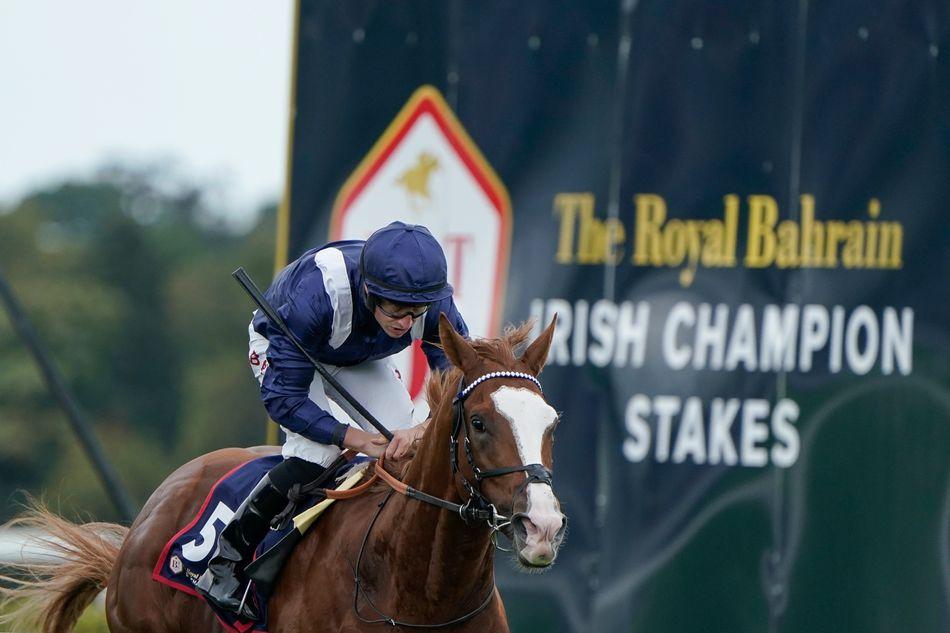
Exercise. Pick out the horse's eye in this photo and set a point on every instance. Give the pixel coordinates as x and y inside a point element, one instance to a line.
<point>478,424</point>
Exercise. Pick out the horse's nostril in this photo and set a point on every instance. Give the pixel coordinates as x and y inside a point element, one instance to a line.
<point>520,527</point>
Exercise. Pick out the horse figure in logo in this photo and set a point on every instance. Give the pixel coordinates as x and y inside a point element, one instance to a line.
<point>487,449</point>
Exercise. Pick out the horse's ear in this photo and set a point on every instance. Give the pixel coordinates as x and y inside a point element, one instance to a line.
<point>459,351</point>
<point>537,353</point>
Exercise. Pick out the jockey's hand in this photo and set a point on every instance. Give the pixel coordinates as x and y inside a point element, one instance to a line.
<point>370,444</point>
<point>403,439</point>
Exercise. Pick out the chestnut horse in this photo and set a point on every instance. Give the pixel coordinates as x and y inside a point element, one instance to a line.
<point>416,563</point>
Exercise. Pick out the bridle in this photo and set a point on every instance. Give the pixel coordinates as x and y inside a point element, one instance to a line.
<point>476,509</point>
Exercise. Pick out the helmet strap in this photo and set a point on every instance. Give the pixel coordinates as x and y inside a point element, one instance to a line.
<point>369,299</point>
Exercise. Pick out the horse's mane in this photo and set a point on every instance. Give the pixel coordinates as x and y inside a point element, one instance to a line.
<point>503,351</point>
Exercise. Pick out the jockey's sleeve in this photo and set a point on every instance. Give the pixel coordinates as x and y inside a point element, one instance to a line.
<point>286,385</point>
<point>434,354</point>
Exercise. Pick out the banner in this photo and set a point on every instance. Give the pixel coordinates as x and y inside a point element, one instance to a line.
<point>424,164</point>
<point>736,212</point>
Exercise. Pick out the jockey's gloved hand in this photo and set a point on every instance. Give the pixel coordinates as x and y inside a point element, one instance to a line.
<point>370,444</point>
<point>403,439</point>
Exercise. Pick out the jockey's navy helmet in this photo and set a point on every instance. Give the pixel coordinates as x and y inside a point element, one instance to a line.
<point>404,264</point>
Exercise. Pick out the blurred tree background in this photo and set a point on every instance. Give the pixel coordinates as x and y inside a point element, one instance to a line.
<point>126,278</point>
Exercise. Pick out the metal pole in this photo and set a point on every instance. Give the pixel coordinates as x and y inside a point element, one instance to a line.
<point>54,380</point>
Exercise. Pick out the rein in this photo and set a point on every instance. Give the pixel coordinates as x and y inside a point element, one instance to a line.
<point>465,513</point>
<point>476,508</point>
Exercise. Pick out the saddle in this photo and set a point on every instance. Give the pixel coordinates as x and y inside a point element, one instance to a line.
<point>185,557</point>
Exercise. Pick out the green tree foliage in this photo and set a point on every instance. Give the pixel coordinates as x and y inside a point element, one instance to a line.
<point>127,280</point>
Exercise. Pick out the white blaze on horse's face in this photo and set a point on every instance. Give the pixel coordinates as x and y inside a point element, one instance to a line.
<point>530,417</point>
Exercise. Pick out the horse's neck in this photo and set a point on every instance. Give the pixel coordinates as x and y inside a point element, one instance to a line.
<point>445,552</point>
<point>431,470</point>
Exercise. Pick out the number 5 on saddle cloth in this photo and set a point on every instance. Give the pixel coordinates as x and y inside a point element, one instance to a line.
<point>185,557</point>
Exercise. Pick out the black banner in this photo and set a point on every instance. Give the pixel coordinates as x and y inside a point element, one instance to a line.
<point>735,209</point>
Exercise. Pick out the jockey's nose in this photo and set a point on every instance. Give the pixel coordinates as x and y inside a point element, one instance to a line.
<point>405,322</point>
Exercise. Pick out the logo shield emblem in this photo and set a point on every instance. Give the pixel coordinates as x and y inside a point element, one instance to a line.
<point>426,170</point>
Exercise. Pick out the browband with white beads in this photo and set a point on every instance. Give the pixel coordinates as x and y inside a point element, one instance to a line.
<point>495,374</point>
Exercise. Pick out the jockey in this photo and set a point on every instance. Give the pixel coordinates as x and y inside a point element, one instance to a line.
<point>352,305</point>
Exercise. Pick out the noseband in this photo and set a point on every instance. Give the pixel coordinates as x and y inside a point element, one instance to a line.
<point>478,507</point>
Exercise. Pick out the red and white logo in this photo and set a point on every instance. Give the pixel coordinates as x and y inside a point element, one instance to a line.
<point>426,170</point>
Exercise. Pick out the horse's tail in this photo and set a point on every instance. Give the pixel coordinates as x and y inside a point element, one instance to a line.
<point>50,596</point>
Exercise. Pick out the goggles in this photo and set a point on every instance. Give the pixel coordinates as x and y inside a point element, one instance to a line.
<point>415,314</point>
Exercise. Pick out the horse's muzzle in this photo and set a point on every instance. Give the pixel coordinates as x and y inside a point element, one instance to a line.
<point>539,531</point>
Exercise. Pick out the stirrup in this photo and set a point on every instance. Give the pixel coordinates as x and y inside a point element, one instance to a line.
<point>244,610</point>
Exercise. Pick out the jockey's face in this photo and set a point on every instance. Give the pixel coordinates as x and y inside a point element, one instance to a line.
<point>396,319</point>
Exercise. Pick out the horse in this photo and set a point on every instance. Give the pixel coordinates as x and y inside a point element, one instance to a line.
<point>376,561</point>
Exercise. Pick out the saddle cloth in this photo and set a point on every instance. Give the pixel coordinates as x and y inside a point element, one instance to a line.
<point>185,557</point>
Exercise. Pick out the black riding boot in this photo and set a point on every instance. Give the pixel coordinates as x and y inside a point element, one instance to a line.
<point>225,582</point>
